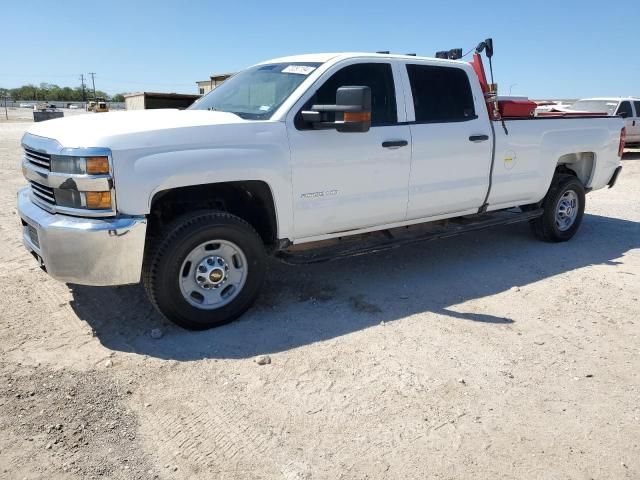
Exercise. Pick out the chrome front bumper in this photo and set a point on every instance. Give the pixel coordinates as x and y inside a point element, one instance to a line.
<point>87,251</point>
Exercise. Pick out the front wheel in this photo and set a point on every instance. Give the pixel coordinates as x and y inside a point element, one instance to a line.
<point>206,270</point>
<point>563,210</point>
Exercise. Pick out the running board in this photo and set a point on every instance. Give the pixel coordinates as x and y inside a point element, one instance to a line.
<point>390,239</point>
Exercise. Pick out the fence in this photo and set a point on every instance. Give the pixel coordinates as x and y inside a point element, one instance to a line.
<point>58,103</point>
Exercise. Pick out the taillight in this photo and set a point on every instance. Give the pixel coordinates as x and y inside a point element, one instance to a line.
<point>623,136</point>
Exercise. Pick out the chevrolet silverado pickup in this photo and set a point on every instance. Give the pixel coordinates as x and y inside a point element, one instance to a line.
<point>298,157</point>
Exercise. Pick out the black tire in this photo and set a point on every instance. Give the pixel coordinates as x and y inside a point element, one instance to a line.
<point>164,260</point>
<point>545,226</point>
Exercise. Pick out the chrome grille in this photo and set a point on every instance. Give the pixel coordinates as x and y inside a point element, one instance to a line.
<point>42,193</point>
<point>38,159</point>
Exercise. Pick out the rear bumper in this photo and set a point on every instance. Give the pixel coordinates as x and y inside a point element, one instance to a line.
<point>614,177</point>
<point>87,251</point>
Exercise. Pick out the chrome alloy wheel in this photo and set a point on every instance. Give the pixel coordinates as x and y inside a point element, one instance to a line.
<point>213,274</point>
<point>567,210</point>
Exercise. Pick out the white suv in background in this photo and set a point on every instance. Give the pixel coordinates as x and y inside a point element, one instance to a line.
<point>628,108</point>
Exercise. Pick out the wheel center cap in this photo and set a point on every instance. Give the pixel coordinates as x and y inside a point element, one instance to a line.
<point>216,275</point>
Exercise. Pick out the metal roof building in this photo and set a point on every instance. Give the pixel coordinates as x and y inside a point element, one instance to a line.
<point>151,100</point>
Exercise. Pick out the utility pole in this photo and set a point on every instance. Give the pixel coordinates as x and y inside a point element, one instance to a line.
<point>84,95</point>
<point>93,81</point>
<point>6,114</point>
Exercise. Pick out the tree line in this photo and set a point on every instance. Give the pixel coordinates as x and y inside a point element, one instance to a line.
<point>52,92</point>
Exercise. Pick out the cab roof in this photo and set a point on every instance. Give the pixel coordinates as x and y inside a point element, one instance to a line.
<point>325,57</point>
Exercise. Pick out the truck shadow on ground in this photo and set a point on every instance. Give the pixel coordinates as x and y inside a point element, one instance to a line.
<point>307,304</point>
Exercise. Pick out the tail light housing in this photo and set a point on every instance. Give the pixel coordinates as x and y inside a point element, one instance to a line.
<point>623,137</point>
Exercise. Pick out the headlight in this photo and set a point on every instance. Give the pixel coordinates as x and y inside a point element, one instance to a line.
<point>80,165</point>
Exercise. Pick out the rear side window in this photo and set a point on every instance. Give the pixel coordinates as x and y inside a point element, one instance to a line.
<point>625,107</point>
<point>440,94</point>
<point>637,105</point>
<point>377,76</point>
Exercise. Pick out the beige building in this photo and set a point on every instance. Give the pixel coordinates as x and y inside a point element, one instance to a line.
<point>151,100</point>
<point>205,86</point>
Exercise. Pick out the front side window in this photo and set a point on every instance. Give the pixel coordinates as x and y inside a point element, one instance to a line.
<point>637,105</point>
<point>377,76</point>
<point>625,108</point>
<point>440,94</point>
<point>256,93</point>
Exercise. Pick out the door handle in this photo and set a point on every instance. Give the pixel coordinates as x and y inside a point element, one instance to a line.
<point>395,143</point>
<point>478,138</point>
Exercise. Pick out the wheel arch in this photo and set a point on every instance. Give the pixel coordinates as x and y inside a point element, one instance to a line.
<point>251,200</point>
<point>580,164</point>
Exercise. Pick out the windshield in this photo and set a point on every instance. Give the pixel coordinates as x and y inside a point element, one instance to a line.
<point>257,92</point>
<point>604,106</point>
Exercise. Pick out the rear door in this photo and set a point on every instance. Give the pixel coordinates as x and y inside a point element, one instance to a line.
<point>451,141</point>
<point>630,122</point>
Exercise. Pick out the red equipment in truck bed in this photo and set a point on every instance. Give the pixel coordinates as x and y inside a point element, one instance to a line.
<point>506,108</point>
<point>516,108</point>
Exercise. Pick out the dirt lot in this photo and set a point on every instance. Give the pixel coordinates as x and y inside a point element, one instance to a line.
<point>486,356</point>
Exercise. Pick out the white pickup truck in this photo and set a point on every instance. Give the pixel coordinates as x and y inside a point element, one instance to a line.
<point>306,158</point>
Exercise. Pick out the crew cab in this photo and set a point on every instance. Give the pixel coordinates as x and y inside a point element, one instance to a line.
<point>297,157</point>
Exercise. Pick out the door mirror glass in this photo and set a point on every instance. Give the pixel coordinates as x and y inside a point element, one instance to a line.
<point>352,111</point>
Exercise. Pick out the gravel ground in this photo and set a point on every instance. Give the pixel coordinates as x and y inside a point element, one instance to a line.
<point>491,355</point>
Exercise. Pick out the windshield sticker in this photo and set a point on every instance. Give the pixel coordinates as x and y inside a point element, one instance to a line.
<point>264,108</point>
<point>299,69</point>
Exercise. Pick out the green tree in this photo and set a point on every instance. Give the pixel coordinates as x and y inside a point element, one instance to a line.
<point>118,97</point>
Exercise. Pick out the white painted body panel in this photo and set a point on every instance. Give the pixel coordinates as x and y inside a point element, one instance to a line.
<point>335,174</point>
<point>631,123</point>
<point>441,174</point>
<point>535,146</point>
<point>449,173</point>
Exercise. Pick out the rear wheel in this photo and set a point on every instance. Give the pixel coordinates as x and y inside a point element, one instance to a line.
<point>563,210</point>
<point>206,270</point>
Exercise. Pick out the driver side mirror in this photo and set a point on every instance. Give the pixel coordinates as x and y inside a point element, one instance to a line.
<point>352,111</point>
<point>623,114</point>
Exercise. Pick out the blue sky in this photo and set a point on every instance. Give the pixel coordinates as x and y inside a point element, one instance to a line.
<point>544,49</point>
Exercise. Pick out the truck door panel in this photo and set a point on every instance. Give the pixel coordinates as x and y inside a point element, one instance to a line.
<point>451,142</point>
<point>346,181</point>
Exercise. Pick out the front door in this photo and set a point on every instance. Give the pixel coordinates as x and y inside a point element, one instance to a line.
<point>348,181</point>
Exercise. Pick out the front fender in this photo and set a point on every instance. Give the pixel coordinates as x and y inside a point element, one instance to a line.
<point>257,151</point>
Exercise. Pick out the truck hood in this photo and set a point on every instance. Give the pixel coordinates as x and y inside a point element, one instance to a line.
<point>96,129</point>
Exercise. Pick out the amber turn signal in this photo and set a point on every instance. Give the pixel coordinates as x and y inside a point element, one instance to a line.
<point>357,116</point>
<point>98,200</point>
<point>97,165</point>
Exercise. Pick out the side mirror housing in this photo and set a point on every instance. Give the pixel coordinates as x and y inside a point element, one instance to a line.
<point>358,117</point>
<point>623,114</point>
<point>352,111</point>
